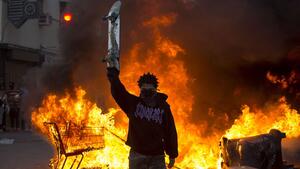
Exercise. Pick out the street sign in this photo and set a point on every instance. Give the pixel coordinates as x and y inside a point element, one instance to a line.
<point>18,11</point>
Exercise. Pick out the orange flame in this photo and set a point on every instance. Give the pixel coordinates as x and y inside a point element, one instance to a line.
<point>82,113</point>
<point>282,81</point>
<point>197,149</point>
<point>277,116</point>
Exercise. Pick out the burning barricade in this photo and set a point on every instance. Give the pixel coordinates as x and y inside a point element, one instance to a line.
<point>74,141</point>
<point>83,135</point>
<point>261,151</point>
<point>85,130</point>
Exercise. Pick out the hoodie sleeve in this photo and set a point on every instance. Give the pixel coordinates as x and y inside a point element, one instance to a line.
<point>123,98</point>
<point>170,134</point>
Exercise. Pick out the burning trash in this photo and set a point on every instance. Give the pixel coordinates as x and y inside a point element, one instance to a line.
<point>79,140</point>
<point>262,151</point>
<point>80,131</point>
<point>245,143</point>
<point>87,137</point>
<point>85,129</point>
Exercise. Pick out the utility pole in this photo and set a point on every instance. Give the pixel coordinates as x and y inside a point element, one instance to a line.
<point>2,52</point>
<point>2,68</point>
<point>1,18</point>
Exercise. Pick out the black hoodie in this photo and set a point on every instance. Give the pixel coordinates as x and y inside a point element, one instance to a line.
<point>151,129</point>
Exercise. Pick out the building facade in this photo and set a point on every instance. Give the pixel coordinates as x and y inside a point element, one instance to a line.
<point>29,36</point>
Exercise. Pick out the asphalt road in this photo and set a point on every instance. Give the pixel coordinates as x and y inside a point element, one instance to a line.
<point>29,151</point>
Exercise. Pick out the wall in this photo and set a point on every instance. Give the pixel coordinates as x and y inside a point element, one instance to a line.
<point>31,34</point>
<point>1,18</point>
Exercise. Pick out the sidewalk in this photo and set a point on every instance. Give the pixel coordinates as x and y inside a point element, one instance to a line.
<point>29,151</point>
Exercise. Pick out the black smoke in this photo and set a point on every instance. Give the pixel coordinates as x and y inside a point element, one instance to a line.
<point>229,48</point>
<point>78,62</point>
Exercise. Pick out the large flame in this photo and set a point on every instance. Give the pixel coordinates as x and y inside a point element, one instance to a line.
<point>197,149</point>
<point>276,116</point>
<point>80,113</point>
<point>163,60</point>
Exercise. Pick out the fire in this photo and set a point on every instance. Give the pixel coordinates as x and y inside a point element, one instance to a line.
<point>282,81</point>
<point>80,112</point>
<point>197,149</point>
<point>163,60</point>
<point>277,116</point>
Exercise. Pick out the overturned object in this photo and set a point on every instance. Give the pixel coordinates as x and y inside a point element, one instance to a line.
<point>261,152</point>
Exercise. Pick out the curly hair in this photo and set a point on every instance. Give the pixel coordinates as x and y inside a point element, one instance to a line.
<point>148,78</point>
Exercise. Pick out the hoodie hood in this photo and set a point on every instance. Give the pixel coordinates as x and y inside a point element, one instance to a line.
<point>162,97</point>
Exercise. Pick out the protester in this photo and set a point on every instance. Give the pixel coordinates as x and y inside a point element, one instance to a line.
<point>13,99</point>
<point>2,111</point>
<point>152,130</point>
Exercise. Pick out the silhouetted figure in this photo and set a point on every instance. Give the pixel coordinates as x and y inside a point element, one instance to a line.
<point>151,125</point>
<point>13,99</point>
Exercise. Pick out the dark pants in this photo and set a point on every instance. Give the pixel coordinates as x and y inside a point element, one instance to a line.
<point>14,118</point>
<point>139,161</point>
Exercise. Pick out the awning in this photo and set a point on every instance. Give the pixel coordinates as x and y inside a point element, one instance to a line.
<point>20,53</point>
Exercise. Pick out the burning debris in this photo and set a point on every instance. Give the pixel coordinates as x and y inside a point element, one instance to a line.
<point>261,152</point>
<point>244,144</point>
<point>165,57</point>
<point>80,140</point>
<point>79,126</point>
<point>80,123</point>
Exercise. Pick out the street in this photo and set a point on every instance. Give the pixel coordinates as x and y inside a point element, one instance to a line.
<point>29,151</point>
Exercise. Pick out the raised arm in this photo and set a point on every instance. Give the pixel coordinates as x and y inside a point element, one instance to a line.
<point>118,91</point>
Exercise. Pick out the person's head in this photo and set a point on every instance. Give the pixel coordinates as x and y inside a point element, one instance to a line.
<point>148,84</point>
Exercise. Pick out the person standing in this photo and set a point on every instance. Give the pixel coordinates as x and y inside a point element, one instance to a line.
<point>4,109</point>
<point>13,99</point>
<point>152,128</point>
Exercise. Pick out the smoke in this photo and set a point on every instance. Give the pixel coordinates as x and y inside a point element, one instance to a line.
<point>81,51</point>
<point>83,47</point>
<point>229,48</point>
